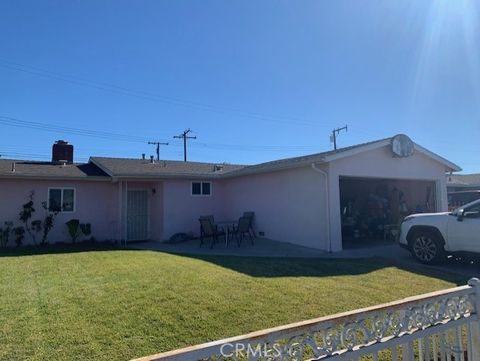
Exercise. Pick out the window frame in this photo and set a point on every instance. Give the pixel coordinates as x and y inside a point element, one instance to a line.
<point>201,188</point>
<point>62,189</point>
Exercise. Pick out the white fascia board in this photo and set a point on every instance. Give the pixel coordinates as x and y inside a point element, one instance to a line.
<point>357,150</point>
<point>449,165</point>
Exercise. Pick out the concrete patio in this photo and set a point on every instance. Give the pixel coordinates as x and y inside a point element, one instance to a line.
<point>264,247</point>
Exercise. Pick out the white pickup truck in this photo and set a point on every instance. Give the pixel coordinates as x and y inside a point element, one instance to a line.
<point>432,236</point>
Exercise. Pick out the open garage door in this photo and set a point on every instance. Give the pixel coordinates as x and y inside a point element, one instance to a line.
<point>372,208</point>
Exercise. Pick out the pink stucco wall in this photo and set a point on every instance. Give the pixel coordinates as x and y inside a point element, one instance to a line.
<point>289,205</point>
<point>96,203</point>
<point>181,210</point>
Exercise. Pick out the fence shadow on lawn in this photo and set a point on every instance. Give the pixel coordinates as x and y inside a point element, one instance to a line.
<point>269,267</point>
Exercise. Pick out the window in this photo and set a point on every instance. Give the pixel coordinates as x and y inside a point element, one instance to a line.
<point>201,188</point>
<point>473,211</point>
<point>61,199</point>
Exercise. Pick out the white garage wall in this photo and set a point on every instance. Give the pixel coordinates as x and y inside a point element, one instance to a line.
<point>289,205</point>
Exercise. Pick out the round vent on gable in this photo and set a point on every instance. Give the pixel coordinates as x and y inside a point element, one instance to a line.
<point>402,146</point>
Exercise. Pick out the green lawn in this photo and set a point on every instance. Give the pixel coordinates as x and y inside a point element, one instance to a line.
<point>114,304</point>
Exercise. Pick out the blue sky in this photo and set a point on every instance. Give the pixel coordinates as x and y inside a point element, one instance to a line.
<point>254,80</point>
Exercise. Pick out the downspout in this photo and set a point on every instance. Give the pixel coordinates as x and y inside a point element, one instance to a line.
<point>126,213</point>
<point>327,204</point>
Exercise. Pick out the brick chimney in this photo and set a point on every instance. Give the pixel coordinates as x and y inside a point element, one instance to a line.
<point>62,152</point>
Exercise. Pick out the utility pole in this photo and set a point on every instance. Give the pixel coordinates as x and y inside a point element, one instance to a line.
<point>184,136</point>
<point>333,137</point>
<point>158,144</point>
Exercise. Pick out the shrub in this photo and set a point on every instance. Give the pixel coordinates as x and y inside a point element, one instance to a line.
<point>5,234</point>
<point>47,223</point>
<point>73,229</point>
<point>86,229</point>
<point>26,214</point>
<point>19,233</point>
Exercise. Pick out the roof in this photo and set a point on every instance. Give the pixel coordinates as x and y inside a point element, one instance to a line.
<point>106,168</point>
<point>463,180</point>
<point>332,155</point>
<point>143,168</point>
<point>48,170</point>
<point>304,159</point>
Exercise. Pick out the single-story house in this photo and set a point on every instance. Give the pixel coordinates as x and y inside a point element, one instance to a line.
<point>463,182</point>
<point>303,200</point>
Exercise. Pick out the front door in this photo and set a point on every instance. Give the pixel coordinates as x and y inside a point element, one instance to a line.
<point>137,215</point>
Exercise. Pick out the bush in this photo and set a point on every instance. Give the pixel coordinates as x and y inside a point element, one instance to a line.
<point>75,229</point>
<point>5,234</point>
<point>19,233</point>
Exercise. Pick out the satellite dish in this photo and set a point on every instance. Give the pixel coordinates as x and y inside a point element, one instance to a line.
<point>402,146</point>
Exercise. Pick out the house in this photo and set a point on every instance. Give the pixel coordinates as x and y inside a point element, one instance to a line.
<point>463,182</point>
<point>310,200</point>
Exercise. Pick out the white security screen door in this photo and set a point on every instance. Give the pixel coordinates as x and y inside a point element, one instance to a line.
<point>137,215</point>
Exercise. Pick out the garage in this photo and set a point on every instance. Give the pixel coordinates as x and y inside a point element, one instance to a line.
<point>373,208</point>
<point>371,187</point>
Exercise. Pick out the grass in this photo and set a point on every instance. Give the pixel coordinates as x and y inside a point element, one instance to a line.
<point>111,304</point>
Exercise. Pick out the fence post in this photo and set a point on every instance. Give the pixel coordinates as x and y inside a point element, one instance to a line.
<point>475,326</point>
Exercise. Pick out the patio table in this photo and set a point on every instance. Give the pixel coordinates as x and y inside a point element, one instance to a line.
<point>226,225</point>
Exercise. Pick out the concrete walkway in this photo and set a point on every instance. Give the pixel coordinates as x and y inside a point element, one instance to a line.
<point>268,248</point>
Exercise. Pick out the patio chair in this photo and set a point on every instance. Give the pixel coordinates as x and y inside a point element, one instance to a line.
<point>208,229</point>
<point>242,229</point>
<point>251,216</point>
<point>212,220</point>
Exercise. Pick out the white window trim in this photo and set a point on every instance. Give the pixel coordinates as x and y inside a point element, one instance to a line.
<point>201,189</point>
<point>61,199</point>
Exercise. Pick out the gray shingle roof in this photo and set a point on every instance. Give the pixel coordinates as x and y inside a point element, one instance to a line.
<point>125,167</point>
<point>35,169</point>
<point>143,168</point>
<point>305,158</point>
<point>464,179</point>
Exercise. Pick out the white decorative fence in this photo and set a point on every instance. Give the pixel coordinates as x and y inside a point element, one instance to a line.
<point>439,326</point>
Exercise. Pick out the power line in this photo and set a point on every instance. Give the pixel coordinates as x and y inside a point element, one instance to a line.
<point>149,96</point>
<point>55,128</point>
<point>185,136</point>
<point>158,147</point>
<point>15,122</point>
<point>32,156</point>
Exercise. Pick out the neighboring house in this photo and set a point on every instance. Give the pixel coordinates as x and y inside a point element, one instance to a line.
<point>463,182</point>
<point>298,200</point>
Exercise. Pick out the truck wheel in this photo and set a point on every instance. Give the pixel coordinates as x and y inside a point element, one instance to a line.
<point>427,248</point>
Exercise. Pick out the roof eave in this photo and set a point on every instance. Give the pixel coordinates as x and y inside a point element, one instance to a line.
<point>117,177</point>
<point>61,178</point>
<point>449,166</point>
